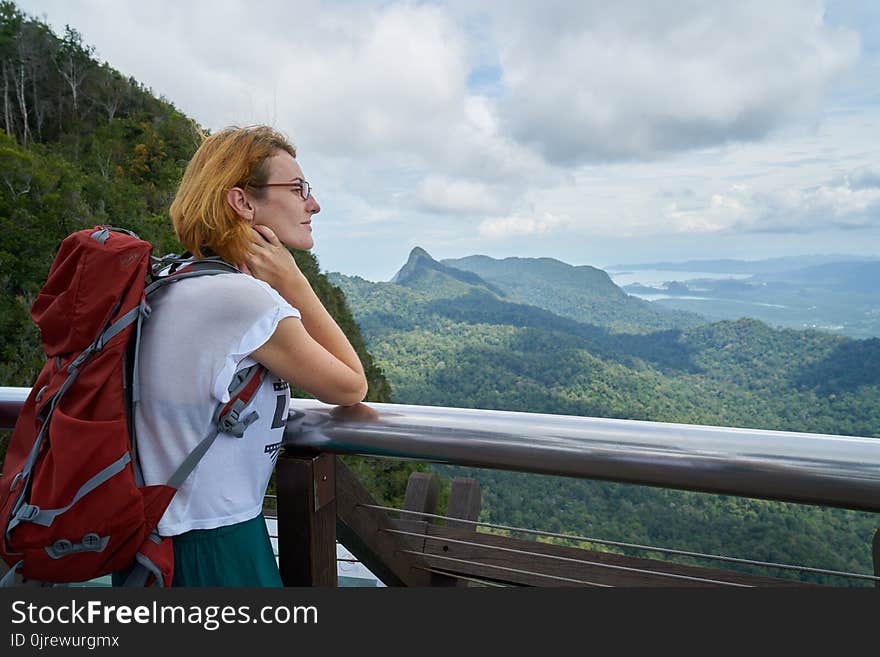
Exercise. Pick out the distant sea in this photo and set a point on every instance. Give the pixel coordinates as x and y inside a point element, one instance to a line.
<point>656,277</point>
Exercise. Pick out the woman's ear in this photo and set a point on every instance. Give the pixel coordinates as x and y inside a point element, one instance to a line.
<point>241,204</point>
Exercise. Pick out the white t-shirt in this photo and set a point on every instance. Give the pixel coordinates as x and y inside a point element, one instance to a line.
<point>200,332</point>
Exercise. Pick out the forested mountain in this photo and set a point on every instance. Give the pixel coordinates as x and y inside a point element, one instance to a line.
<point>475,349</point>
<point>80,145</point>
<point>582,293</point>
<point>421,272</point>
<point>729,266</point>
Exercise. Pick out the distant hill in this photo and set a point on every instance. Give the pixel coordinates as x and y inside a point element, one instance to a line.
<point>458,343</point>
<point>851,277</point>
<point>582,293</point>
<point>474,349</point>
<point>839,297</point>
<point>728,266</point>
<point>422,272</point>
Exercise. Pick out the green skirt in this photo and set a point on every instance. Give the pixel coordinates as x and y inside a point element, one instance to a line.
<point>235,555</point>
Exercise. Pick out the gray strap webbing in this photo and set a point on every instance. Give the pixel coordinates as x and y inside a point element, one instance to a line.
<point>100,235</point>
<point>116,327</point>
<point>73,374</point>
<point>138,574</point>
<point>36,515</point>
<point>190,462</point>
<point>9,578</point>
<point>168,280</point>
<point>239,382</point>
<point>230,421</point>
<point>135,376</point>
<point>32,457</point>
<point>136,390</point>
<point>21,510</point>
<point>143,568</point>
<point>25,473</point>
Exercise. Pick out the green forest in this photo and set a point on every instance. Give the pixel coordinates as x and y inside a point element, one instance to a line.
<point>445,340</point>
<point>463,345</point>
<point>82,144</point>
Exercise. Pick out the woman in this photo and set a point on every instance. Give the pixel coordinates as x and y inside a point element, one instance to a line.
<point>243,198</point>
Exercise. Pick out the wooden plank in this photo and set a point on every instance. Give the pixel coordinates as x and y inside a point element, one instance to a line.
<point>422,491</point>
<point>464,502</point>
<point>500,566</point>
<point>875,554</point>
<point>306,519</point>
<point>363,532</point>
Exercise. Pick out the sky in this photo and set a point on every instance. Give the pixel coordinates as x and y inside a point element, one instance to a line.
<point>592,132</point>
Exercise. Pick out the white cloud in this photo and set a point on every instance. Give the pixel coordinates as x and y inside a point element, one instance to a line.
<point>519,225</point>
<point>442,195</point>
<point>850,202</point>
<point>841,206</point>
<point>593,81</point>
<point>582,82</point>
<point>722,105</point>
<point>865,177</point>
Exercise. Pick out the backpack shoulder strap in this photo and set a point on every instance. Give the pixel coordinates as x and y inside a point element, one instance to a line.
<point>227,418</point>
<point>204,267</point>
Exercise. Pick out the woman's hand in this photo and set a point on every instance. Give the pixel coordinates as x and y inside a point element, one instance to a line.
<point>269,260</point>
<point>356,413</point>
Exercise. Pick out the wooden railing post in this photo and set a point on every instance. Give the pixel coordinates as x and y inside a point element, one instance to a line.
<point>306,519</point>
<point>464,503</point>
<point>422,492</point>
<point>875,554</point>
<point>365,532</point>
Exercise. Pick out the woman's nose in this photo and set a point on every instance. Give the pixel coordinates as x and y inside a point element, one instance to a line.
<point>312,204</point>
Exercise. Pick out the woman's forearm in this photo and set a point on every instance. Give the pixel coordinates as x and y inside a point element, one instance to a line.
<point>318,322</point>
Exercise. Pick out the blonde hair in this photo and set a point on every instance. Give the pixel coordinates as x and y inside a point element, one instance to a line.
<point>234,157</point>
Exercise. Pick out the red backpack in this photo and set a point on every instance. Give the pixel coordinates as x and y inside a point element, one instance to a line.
<point>73,506</point>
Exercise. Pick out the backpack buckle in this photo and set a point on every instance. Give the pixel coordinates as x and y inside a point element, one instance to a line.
<point>39,396</point>
<point>29,512</point>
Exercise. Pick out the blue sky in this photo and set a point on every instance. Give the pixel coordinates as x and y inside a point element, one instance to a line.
<point>592,132</point>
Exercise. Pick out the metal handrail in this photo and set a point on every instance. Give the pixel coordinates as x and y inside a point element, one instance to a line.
<point>826,470</point>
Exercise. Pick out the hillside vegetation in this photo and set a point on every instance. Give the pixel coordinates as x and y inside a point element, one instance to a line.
<point>443,341</point>
<point>81,144</point>
<point>582,293</point>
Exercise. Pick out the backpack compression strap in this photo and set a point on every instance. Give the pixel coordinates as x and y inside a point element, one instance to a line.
<point>226,419</point>
<point>21,510</point>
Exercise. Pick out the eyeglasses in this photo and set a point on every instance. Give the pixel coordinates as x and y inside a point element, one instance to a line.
<point>305,189</point>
